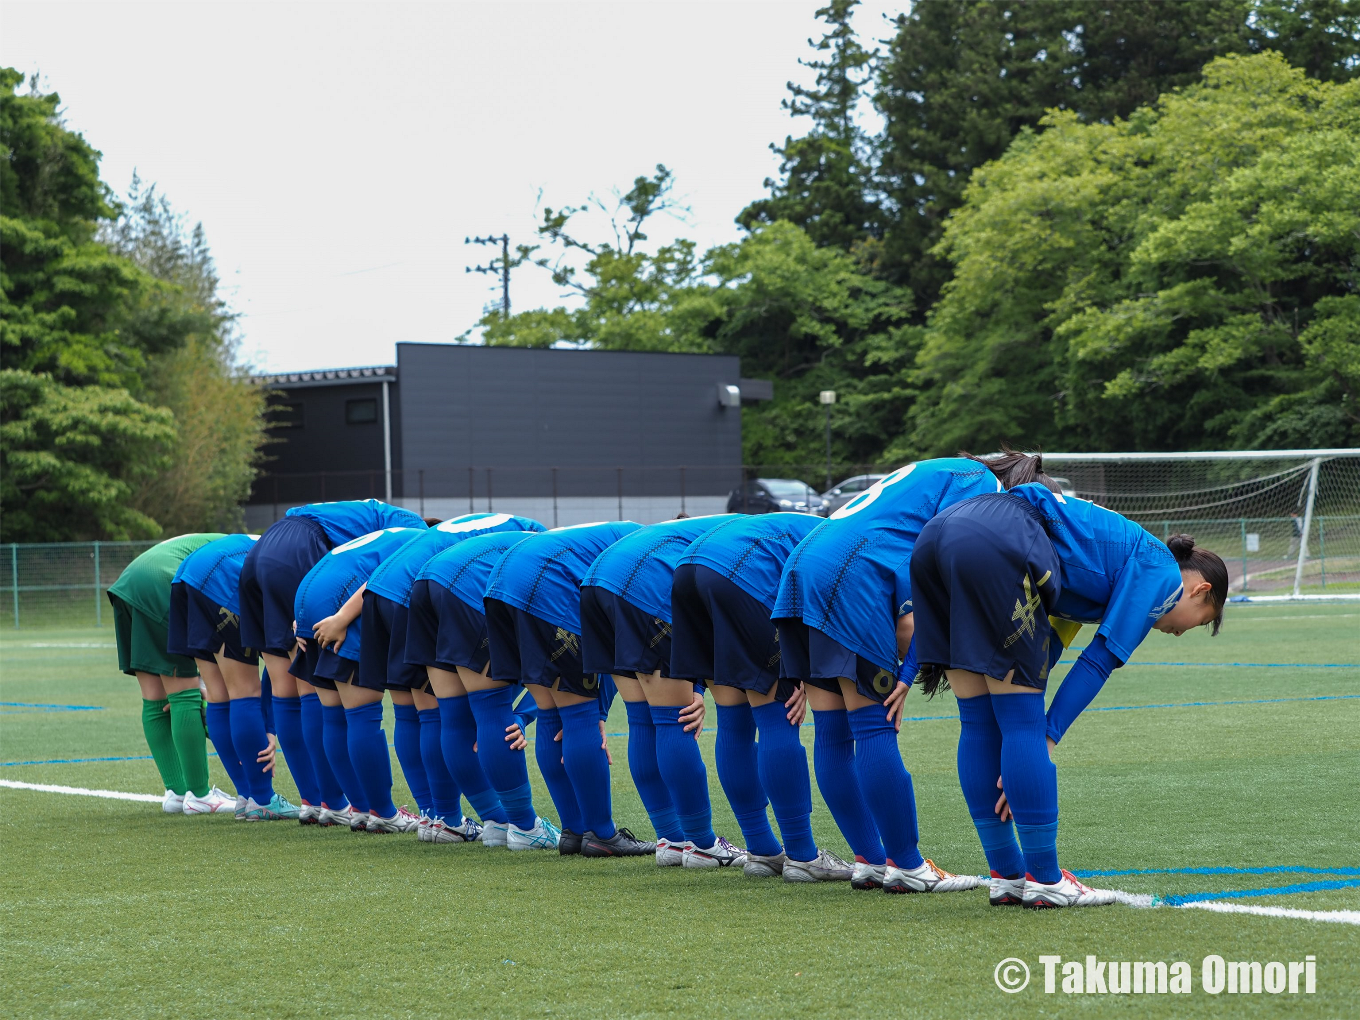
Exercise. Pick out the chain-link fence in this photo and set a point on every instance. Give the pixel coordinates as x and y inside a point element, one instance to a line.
<point>61,584</point>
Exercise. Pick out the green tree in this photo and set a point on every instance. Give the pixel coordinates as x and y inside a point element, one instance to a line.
<point>1185,279</point>
<point>826,183</point>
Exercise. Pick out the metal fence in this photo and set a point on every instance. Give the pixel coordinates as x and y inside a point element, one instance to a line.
<point>61,584</point>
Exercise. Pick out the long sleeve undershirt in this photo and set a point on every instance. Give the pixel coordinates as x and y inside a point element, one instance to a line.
<point>1081,685</point>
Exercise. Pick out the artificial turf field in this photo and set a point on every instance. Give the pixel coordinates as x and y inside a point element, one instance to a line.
<point>112,908</point>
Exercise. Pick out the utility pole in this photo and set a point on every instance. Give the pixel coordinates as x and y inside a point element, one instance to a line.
<point>503,268</point>
<point>827,398</point>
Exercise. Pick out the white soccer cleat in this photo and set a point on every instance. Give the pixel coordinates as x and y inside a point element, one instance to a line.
<point>358,820</point>
<point>760,866</point>
<point>867,876</point>
<point>826,868</point>
<point>402,821</point>
<point>543,836</point>
<point>721,854</point>
<point>670,855</point>
<point>1006,892</point>
<point>309,814</point>
<point>424,831</point>
<point>1066,892</point>
<point>495,833</point>
<point>926,878</point>
<point>210,803</point>
<point>328,817</point>
<point>241,803</point>
<point>172,803</point>
<point>466,831</point>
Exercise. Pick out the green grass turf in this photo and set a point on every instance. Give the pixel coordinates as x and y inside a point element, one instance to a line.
<point>115,909</point>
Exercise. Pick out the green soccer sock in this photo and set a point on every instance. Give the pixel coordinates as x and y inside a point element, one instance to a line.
<point>191,741</point>
<point>156,726</point>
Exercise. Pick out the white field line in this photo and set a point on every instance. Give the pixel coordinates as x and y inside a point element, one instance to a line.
<point>80,791</point>
<point>1219,907</point>
<point>56,644</point>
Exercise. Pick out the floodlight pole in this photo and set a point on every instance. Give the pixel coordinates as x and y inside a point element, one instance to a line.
<point>503,269</point>
<point>827,398</point>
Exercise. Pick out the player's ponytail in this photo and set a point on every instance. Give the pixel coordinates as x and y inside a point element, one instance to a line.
<point>1014,468</point>
<point>1209,565</point>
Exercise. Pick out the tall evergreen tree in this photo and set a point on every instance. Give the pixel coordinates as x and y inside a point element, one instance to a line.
<point>826,182</point>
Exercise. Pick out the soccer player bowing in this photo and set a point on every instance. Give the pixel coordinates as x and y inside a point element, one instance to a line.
<point>986,576</point>
<point>626,632</point>
<point>721,597</point>
<point>533,619</point>
<point>481,728</point>
<point>845,620</point>
<point>270,575</point>
<point>331,657</point>
<point>418,730</point>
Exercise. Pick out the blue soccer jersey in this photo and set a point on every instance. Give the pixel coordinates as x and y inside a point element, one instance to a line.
<point>542,575</point>
<point>215,570</point>
<point>1114,573</point>
<point>750,550</point>
<point>851,578</point>
<point>348,519</point>
<point>639,568</point>
<point>339,574</point>
<point>396,574</point>
<point>466,568</point>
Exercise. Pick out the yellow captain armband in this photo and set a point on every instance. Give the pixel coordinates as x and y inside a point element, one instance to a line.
<point>1066,630</point>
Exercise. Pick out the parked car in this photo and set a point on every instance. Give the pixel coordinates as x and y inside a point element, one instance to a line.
<point>768,495</point>
<point>835,498</point>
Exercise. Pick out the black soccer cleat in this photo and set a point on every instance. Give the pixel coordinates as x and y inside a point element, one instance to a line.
<point>569,844</point>
<point>622,844</point>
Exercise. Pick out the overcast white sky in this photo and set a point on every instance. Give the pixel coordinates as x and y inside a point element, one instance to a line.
<point>337,154</point>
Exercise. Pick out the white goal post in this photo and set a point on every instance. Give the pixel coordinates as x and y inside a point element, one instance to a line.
<point>1287,522</point>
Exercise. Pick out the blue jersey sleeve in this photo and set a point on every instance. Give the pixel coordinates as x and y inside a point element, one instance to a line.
<point>526,711</point>
<point>608,691</point>
<point>1145,589</point>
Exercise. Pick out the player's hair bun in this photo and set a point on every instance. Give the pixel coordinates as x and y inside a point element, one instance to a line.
<point>1181,546</point>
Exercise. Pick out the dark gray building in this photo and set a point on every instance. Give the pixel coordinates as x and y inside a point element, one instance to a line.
<point>550,433</point>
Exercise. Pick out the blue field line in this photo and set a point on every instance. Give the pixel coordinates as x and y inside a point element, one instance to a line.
<point>1281,890</point>
<point>83,761</point>
<point>1241,665</point>
<point>1283,869</point>
<point>47,708</point>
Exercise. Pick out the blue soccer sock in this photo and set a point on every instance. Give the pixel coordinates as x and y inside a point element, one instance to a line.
<point>833,759</point>
<point>249,737</point>
<point>457,735</point>
<point>548,753</point>
<point>446,798</point>
<point>406,742</point>
<point>335,738</point>
<point>314,731</point>
<point>587,765</point>
<point>293,742</point>
<point>682,768</point>
<point>782,761</point>
<point>368,753</point>
<point>507,770</point>
<point>979,769</point>
<point>647,776</point>
<point>739,774</point>
<point>219,732</point>
<point>885,785</point>
<point>1030,781</point>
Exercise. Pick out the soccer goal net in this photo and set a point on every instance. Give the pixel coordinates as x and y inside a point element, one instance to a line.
<point>1286,522</point>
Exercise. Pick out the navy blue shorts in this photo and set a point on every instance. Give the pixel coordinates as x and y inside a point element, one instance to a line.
<point>443,631</point>
<point>322,667</point>
<point>200,628</point>
<point>529,650</point>
<point>721,634</point>
<point>618,637</point>
<point>820,660</point>
<point>270,576</point>
<point>382,648</point>
<point>984,578</point>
